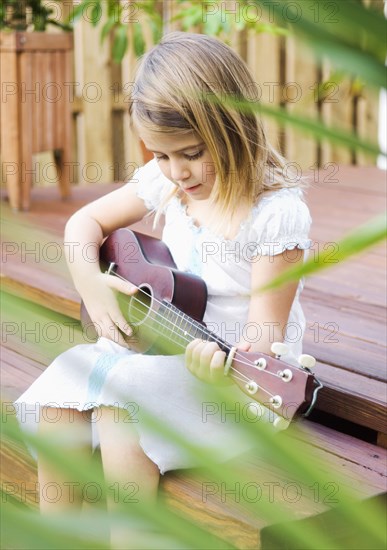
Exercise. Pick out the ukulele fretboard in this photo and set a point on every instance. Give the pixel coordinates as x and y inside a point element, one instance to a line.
<point>179,328</point>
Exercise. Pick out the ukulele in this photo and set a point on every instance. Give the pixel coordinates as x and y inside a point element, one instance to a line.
<point>166,313</point>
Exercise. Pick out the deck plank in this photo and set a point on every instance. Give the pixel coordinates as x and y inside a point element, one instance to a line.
<point>353,465</point>
<point>349,295</point>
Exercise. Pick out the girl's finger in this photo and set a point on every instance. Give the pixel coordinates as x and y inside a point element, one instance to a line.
<point>207,352</point>
<point>110,331</point>
<point>217,367</point>
<point>244,346</point>
<point>120,285</point>
<point>121,323</point>
<point>192,355</point>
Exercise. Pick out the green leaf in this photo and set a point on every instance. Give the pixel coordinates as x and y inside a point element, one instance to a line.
<point>303,125</point>
<point>120,43</point>
<point>212,25</point>
<point>270,29</point>
<point>156,24</point>
<point>138,40</point>
<point>114,10</point>
<point>357,241</point>
<point>344,38</point>
<point>78,11</point>
<point>64,26</point>
<point>108,26</point>
<point>96,14</point>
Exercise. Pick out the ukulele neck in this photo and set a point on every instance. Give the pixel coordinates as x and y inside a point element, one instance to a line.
<point>181,327</point>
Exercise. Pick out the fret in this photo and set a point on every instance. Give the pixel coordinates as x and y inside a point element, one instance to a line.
<point>174,326</point>
<point>181,332</point>
<point>164,326</point>
<point>186,329</point>
<point>170,318</point>
<point>179,325</point>
<point>187,322</point>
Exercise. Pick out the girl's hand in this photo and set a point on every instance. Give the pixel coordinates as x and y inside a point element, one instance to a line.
<point>100,298</point>
<point>206,361</point>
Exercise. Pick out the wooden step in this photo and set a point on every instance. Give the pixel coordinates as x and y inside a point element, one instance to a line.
<point>222,510</point>
<point>352,464</point>
<point>344,312</point>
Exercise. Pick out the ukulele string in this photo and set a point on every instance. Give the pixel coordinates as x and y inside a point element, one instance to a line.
<point>218,340</point>
<point>165,320</point>
<point>237,374</point>
<point>242,377</point>
<point>187,340</point>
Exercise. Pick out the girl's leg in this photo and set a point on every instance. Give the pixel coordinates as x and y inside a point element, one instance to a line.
<point>74,429</point>
<point>131,477</point>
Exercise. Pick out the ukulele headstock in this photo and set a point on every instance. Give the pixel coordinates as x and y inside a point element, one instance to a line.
<point>286,390</point>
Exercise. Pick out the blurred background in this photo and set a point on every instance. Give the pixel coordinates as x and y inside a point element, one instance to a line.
<point>68,111</point>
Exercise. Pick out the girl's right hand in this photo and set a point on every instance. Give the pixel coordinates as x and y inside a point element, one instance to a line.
<point>100,299</point>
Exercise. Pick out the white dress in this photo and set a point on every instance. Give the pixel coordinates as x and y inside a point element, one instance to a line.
<point>105,373</point>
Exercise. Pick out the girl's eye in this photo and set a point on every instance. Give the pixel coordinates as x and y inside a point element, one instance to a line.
<point>195,156</point>
<point>188,157</point>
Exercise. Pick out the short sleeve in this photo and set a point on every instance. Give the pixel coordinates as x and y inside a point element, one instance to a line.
<point>152,185</point>
<point>281,222</point>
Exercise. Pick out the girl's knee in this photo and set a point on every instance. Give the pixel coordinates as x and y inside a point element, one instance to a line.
<point>56,416</point>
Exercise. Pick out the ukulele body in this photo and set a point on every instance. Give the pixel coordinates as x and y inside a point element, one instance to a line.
<point>147,263</point>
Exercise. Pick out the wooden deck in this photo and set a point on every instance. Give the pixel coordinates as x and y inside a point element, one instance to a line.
<point>345,313</point>
<point>344,305</point>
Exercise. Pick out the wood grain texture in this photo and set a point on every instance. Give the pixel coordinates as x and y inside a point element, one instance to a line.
<point>352,369</point>
<point>353,465</point>
<point>9,127</point>
<point>37,117</point>
<point>343,305</point>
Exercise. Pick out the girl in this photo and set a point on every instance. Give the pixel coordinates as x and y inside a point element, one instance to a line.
<point>231,217</point>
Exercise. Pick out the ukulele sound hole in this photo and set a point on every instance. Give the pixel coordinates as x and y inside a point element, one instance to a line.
<point>140,305</point>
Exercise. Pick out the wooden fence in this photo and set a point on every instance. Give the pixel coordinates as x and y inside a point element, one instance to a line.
<point>285,73</point>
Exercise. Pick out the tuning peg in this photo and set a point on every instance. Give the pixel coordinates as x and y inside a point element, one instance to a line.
<point>280,423</point>
<point>306,361</point>
<point>278,348</point>
<point>252,387</point>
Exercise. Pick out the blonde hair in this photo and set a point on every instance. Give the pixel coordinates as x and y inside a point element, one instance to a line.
<point>171,83</point>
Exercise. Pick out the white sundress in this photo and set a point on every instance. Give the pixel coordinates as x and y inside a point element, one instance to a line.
<point>104,373</point>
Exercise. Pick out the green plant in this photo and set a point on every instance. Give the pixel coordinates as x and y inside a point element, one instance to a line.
<point>194,13</point>
<point>114,14</point>
<point>21,15</point>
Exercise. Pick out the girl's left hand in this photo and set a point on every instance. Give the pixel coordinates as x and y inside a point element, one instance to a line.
<point>206,361</point>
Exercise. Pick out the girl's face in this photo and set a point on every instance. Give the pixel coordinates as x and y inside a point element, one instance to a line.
<point>184,160</point>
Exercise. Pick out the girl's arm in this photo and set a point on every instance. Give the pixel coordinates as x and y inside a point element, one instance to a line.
<point>269,311</point>
<point>84,233</point>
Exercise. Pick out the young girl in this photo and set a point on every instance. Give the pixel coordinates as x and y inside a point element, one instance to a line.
<point>232,218</point>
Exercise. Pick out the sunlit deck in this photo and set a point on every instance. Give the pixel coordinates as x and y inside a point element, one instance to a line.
<point>344,307</point>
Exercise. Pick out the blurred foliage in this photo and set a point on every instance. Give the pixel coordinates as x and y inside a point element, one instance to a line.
<point>118,18</point>
<point>281,461</point>
<point>350,34</point>
<point>31,15</point>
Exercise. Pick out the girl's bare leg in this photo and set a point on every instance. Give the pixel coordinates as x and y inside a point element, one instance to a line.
<point>131,477</point>
<point>58,490</point>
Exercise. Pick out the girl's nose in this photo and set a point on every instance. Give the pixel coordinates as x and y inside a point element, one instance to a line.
<point>179,170</point>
